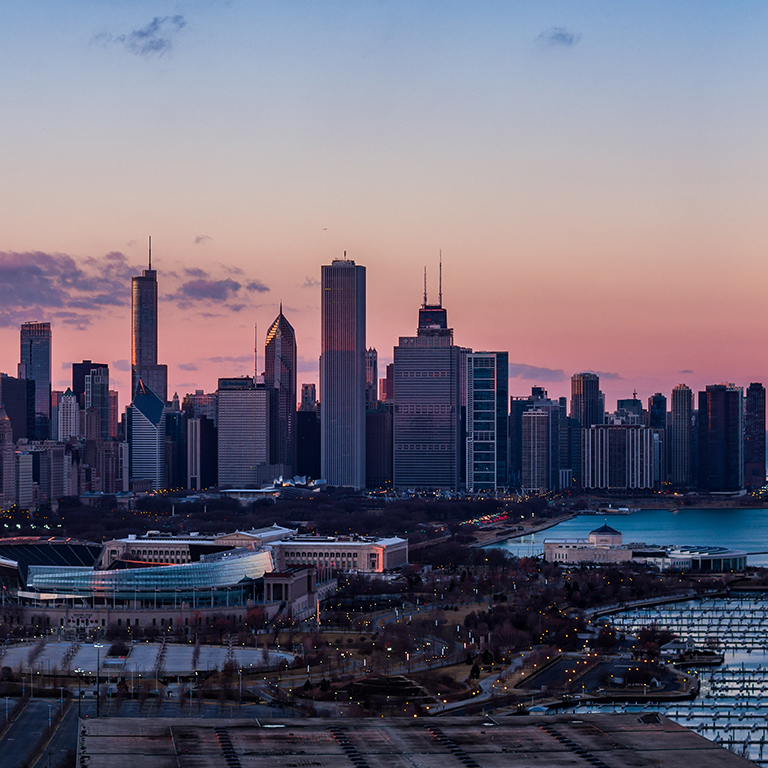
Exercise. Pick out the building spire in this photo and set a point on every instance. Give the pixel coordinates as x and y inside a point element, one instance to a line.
<point>150,252</point>
<point>425,287</point>
<point>440,289</point>
<point>255,351</point>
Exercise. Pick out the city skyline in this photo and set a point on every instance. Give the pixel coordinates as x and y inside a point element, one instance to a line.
<point>590,163</point>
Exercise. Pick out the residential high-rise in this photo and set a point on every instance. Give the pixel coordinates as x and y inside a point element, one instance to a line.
<point>680,430</point>
<point>144,333</point>
<point>427,404</point>
<point>280,380</point>
<point>146,438</point>
<point>721,439</point>
<point>585,399</point>
<point>69,417</point>
<point>342,374</point>
<point>36,365</point>
<point>536,449</point>
<point>97,397</point>
<point>621,457</point>
<point>79,372</point>
<point>243,432</point>
<point>487,377</point>
<point>754,436</point>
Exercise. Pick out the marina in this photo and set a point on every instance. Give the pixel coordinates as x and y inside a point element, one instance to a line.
<point>732,706</point>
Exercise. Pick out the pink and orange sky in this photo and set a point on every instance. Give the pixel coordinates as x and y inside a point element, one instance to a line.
<point>596,175</point>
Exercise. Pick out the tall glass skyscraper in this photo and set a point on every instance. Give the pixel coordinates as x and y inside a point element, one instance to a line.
<point>342,374</point>
<point>36,365</point>
<point>280,381</point>
<point>144,334</point>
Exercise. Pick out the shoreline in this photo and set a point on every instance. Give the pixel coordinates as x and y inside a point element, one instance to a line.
<point>499,537</point>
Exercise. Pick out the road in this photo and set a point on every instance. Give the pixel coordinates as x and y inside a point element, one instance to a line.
<point>21,738</point>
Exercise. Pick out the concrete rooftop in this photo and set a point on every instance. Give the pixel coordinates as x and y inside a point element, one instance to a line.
<point>554,741</point>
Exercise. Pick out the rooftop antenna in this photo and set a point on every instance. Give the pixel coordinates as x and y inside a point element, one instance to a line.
<point>255,351</point>
<point>150,252</point>
<point>440,290</point>
<point>425,286</point>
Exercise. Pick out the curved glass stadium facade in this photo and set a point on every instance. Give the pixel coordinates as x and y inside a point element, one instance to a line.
<point>215,579</point>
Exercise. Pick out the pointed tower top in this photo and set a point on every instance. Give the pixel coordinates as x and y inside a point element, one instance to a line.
<point>150,252</point>
<point>425,287</point>
<point>440,282</point>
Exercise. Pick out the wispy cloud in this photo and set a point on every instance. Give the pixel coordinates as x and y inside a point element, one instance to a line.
<point>155,38</point>
<point>187,366</point>
<point>559,36</point>
<point>229,359</point>
<point>609,375</point>
<point>121,365</point>
<point>52,284</point>
<point>687,370</point>
<point>202,239</point>
<point>256,285</point>
<point>534,373</point>
<point>310,282</point>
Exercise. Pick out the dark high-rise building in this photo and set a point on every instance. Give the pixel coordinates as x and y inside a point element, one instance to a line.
<point>371,379</point>
<point>202,453</point>
<point>79,372</point>
<point>36,365</point>
<point>657,411</point>
<point>754,436</point>
<point>97,397</point>
<point>342,374</point>
<point>680,431</point>
<point>378,446</point>
<point>721,444</point>
<point>176,449</point>
<point>280,381</point>
<point>308,443</point>
<point>308,398</point>
<point>18,398</point>
<point>585,399</point>
<point>144,334</point>
<point>427,405</point>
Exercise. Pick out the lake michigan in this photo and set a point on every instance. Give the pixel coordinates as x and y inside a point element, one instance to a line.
<point>745,529</point>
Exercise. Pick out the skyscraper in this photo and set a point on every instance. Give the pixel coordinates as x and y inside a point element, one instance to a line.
<point>36,365</point>
<point>487,377</point>
<point>657,411</point>
<point>721,438</point>
<point>280,381</point>
<point>680,431</point>
<point>585,399</point>
<point>342,374</point>
<point>97,397</point>
<point>427,404</point>
<point>69,417</point>
<point>371,378</point>
<point>79,372</point>
<point>243,432</point>
<point>754,436</point>
<point>146,437</point>
<point>144,335</point>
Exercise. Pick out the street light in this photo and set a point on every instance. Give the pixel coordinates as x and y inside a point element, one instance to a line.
<point>98,647</point>
<point>78,672</point>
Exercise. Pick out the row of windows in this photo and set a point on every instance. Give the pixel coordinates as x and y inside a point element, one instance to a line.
<point>422,447</point>
<point>337,555</point>
<point>430,410</point>
<point>423,374</point>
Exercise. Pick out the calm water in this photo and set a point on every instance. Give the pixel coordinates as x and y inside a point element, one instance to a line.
<point>745,529</point>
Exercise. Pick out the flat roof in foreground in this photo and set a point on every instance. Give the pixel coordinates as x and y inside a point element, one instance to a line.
<point>553,741</point>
